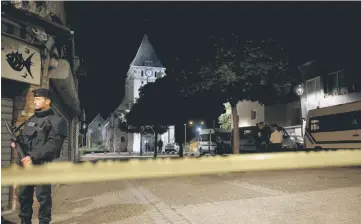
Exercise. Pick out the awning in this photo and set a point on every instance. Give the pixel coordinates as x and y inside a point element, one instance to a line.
<point>63,80</point>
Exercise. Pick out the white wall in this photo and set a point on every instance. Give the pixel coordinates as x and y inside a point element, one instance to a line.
<point>244,109</point>
<point>282,114</point>
<point>317,98</point>
<point>169,136</point>
<point>136,143</point>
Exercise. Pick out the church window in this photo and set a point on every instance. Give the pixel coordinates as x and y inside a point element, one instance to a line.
<point>155,74</point>
<point>142,73</point>
<point>142,82</point>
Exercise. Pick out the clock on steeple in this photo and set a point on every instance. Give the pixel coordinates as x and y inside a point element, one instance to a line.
<point>148,72</point>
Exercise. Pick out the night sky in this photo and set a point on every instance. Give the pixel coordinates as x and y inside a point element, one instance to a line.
<point>108,35</point>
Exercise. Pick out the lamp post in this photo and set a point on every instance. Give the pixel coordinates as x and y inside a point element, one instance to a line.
<point>84,134</point>
<point>299,89</point>
<point>185,135</point>
<point>185,132</point>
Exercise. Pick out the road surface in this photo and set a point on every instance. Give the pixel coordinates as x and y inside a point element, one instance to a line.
<point>319,196</point>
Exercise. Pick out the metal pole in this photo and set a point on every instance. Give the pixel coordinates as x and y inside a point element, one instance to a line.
<point>301,125</point>
<point>141,150</point>
<point>168,135</point>
<point>185,135</point>
<point>209,141</point>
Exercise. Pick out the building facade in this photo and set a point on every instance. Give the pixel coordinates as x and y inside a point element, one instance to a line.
<point>145,68</point>
<point>327,90</point>
<point>285,115</point>
<point>94,135</point>
<point>321,89</point>
<point>36,52</point>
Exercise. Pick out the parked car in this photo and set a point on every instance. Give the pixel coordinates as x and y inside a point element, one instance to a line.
<point>299,140</point>
<point>171,148</point>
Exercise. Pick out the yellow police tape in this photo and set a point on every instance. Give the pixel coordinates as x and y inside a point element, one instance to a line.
<point>61,173</point>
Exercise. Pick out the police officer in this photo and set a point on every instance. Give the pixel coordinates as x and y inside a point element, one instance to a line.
<point>44,134</point>
<point>160,145</point>
<point>263,135</point>
<point>276,138</point>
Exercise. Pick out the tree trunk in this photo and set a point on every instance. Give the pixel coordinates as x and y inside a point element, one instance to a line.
<point>235,129</point>
<point>181,150</point>
<point>155,144</point>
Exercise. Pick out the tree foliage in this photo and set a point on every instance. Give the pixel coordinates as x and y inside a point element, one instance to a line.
<point>225,120</point>
<point>163,103</point>
<point>243,70</point>
<point>150,109</point>
<point>254,70</point>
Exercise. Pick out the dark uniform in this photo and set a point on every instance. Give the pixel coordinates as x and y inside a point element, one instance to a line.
<point>44,134</point>
<point>160,145</point>
<point>263,135</point>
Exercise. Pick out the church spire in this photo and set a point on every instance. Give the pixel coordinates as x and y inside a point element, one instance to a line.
<point>146,55</point>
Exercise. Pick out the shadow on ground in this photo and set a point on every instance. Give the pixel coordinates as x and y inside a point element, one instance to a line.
<point>82,191</point>
<point>107,214</point>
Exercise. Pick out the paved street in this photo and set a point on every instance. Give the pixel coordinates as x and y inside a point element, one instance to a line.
<point>322,196</point>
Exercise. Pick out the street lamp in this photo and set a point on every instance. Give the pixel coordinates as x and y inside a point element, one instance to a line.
<point>185,132</point>
<point>84,134</point>
<point>299,90</point>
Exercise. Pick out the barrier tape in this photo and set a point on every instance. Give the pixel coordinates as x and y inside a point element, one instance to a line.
<point>62,173</point>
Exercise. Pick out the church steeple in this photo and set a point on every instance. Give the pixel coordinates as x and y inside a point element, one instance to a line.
<point>146,55</point>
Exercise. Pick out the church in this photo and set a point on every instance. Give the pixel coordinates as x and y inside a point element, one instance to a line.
<point>145,68</point>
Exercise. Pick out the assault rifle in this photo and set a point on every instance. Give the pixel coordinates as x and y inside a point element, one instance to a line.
<point>21,146</point>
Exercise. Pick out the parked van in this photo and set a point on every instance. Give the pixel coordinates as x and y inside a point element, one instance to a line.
<point>334,127</point>
<point>214,141</point>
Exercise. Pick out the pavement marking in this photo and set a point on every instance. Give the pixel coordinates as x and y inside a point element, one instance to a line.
<point>257,188</point>
<point>162,213</point>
